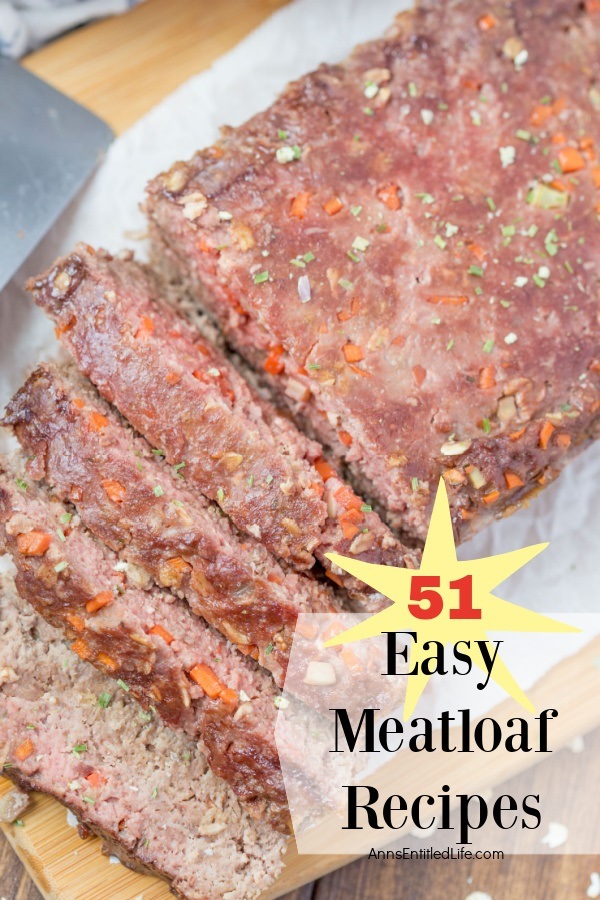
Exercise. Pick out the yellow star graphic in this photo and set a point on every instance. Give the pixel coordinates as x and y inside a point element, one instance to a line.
<point>443,610</point>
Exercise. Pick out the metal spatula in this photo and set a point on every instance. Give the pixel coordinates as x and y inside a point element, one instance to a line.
<point>49,146</point>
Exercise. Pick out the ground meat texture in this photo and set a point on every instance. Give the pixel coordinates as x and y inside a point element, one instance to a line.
<point>148,792</point>
<point>167,382</point>
<point>98,304</point>
<point>163,654</point>
<point>129,498</point>
<point>408,243</point>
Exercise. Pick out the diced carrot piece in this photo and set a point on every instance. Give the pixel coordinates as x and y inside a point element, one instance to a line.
<point>274,578</point>
<point>33,543</point>
<point>349,530</point>
<point>145,328</point>
<point>487,22</point>
<point>306,628</point>
<point>273,364</point>
<point>81,649</point>
<point>95,779</point>
<point>355,516</point>
<point>570,160</point>
<point>204,676</point>
<point>345,438</point>
<point>106,660</point>
<point>229,696</point>
<point>324,469</point>
<point>541,114</point>
<point>300,204</point>
<point>362,372</point>
<point>114,490</point>
<point>104,598</point>
<point>344,315</point>
<point>563,440</point>
<point>560,185</point>
<point>477,251</point>
<point>487,378</point>
<point>336,578</point>
<point>78,403</point>
<point>76,622</point>
<point>596,176</point>
<point>352,353</point>
<point>559,138</point>
<point>546,433</point>
<point>388,194</point>
<point>491,497</point>
<point>351,660</point>
<point>398,341</point>
<point>515,435</point>
<point>333,206</point>
<point>448,301</point>
<point>512,480</point>
<point>347,498</point>
<point>171,571</point>
<point>25,749</point>
<point>173,378</point>
<point>419,375</point>
<point>333,629</point>
<point>161,632</point>
<point>97,421</point>
<point>592,6</point>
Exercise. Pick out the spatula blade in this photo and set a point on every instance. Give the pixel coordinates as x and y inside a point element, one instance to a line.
<point>49,146</point>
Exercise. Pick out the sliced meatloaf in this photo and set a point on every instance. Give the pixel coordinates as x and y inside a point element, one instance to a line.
<point>407,243</point>
<point>134,502</point>
<point>148,792</point>
<point>181,392</point>
<point>159,651</point>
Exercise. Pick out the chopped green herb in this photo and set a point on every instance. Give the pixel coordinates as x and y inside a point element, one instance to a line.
<point>250,481</point>
<point>490,203</point>
<point>158,491</point>
<point>65,519</point>
<point>260,277</point>
<point>344,283</point>
<point>356,210</point>
<point>314,366</point>
<point>122,685</point>
<point>425,198</point>
<point>568,266</point>
<point>523,135</point>
<point>61,534</point>
<point>381,228</point>
<point>31,727</point>
<point>158,452</point>
<point>508,230</point>
<point>145,716</point>
<point>353,256</point>
<point>366,507</point>
<point>177,469</point>
<point>220,495</point>
<point>488,346</point>
<point>360,243</point>
<point>87,799</point>
<point>412,89</point>
<point>308,257</point>
<point>21,484</point>
<point>450,344</point>
<point>478,290</point>
<point>268,649</point>
<point>282,135</point>
<point>414,484</point>
<point>61,566</point>
<point>78,749</point>
<point>486,426</point>
<point>476,270</point>
<point>269,479</point>
<point>18,823</point>
<point>439,242</point>
<point>299,263</point>
<point>104,699</point>
<point>368,111</point>
<point>551,243</point>
<point>154,794</point>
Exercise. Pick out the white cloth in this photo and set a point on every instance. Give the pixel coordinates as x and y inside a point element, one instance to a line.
<point>25,24</point>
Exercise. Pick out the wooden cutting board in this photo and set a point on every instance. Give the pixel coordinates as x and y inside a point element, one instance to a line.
<point>112,67</point>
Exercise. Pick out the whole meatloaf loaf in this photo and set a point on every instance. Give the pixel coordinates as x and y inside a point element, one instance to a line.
<point>407,245</point>
<point>186,398</point>
<point>146,791</point>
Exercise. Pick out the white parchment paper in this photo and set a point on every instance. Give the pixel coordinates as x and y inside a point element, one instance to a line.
<point>295,39</point>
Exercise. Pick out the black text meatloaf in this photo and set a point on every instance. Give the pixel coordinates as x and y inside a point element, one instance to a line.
<point>147,791</point>
<point>407,244</point>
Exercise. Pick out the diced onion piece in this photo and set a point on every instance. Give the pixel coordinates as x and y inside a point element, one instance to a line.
<point>455,448</point>
<point>320,674</point>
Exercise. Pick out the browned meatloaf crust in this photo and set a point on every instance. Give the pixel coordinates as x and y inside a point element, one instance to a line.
<point>186,398</point>
<point>150,641</point>
<point>129,498</point>
<point>146,791</point>
<point>409,243</point>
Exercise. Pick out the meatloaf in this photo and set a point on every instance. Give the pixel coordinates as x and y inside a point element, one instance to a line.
<point>159,651</point>
<point>129,498</point>
<point>66,731</point>
<point>187,399</point>
<point>407,245</point>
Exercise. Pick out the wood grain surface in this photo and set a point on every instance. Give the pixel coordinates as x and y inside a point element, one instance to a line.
<point>120,68</point>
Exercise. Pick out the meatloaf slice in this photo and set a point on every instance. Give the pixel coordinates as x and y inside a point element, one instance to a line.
<point>146,791</point>
<point>188,400</point>
<point>408,243</point>
<point>129,498</point>
<point>159,651</point>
